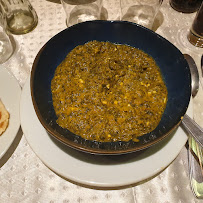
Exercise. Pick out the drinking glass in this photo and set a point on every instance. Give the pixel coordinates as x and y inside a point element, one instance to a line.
<point>195,35</point>
<point>6,47</point>
<point>81,10</point>
<point>142,12</point>
<point>20,16</point>
<point>185,6</point>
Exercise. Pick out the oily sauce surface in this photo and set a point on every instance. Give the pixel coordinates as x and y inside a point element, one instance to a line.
<point>108,92</point>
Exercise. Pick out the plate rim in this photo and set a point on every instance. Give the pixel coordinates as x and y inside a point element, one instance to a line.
<point>15,125</point>
<point>94,183</point>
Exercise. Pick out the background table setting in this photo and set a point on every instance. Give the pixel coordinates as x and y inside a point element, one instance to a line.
<point>29,175</point>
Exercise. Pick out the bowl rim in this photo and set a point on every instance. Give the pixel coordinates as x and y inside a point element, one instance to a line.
<point>75,145</point>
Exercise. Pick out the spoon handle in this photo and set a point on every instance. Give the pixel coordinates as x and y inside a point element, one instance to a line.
<point>202,65</point>
<point>195,161</point>
<point>193,128</point>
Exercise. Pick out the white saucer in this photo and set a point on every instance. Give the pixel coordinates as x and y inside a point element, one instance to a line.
<point>10,93</point>
<point>96,170</point>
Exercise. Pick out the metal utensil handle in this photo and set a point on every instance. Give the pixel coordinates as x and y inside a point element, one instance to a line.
<point>193,128</point>
<point>195,161</point>
<point>202,65</point>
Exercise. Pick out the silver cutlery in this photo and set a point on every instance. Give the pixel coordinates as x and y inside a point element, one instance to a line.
<point>195,158</point>
<point>188,123</point>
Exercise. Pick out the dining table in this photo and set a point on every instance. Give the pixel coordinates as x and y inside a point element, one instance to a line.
<point>25,178</point>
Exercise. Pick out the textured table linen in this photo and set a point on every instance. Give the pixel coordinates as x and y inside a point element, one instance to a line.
<point>24,178</point>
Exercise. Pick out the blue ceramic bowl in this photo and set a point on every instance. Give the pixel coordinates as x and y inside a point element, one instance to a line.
<point>174,69</point>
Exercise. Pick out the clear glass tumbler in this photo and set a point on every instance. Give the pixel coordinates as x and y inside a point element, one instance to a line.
<point>142,12</point>
<point>20,16</point>
<point>6,46</point>
<point>81,10</point>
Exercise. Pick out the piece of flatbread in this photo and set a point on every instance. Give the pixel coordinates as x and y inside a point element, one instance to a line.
<point>4,118</point>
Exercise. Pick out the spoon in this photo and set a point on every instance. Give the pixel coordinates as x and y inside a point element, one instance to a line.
<point>195,159</point>
<point>194,74</point>
<point>189,124</point>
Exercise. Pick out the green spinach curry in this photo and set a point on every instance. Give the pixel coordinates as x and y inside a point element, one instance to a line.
<point>108,92</point>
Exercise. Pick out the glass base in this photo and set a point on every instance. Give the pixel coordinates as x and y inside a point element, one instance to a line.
<point>183,7</point>
<point>182,40</point>
<point>21,22</point>
<point>6,48</point>
<point>195,40</point>
<point>82,13</point>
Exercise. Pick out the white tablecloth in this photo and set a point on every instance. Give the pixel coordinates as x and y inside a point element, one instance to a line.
<point>24,178</point>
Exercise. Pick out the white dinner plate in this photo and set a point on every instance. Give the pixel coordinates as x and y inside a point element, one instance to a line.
<point>10,93</point>
<point>96,170</point>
